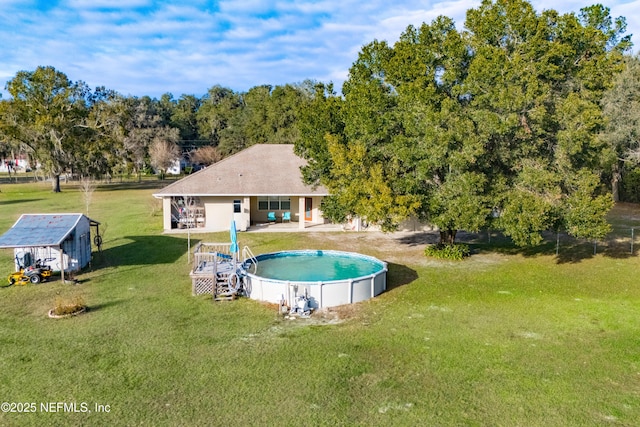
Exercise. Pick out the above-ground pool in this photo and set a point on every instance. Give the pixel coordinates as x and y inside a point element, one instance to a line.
<point>326,278</point>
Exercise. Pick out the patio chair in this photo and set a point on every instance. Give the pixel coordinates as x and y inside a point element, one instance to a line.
<point>286,216</point>
<point>271,217</point>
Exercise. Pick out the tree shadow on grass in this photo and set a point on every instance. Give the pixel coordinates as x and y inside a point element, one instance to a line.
<point>142,185</point>
<point>419,238</point>
<point>13,202</point>
<point>399,275</point>
<point>104,305</point>
<point>142,250</point>
<point>568,250</point>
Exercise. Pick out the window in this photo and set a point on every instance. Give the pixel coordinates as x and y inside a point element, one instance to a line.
<point>237,206</point>
<point>263,204</point>
<point>274,203</point>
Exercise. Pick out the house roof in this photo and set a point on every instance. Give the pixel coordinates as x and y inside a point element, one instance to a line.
<point>260,170</point>
<point>33,230</point>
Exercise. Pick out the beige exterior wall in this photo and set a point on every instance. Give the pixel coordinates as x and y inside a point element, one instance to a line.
<point>219,213</point>
<point>413,224</point>
<point>318,218</point>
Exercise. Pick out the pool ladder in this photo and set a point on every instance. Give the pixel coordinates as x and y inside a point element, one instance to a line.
<point>247,255</point>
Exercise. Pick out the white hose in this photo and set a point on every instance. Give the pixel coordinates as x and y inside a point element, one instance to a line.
<point>235,287</point>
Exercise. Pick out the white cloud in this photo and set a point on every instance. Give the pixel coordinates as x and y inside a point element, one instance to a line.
<point>108,4</point>
<point>145,47</point>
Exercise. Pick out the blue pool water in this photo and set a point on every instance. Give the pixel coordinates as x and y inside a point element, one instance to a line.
<point>316,266</point>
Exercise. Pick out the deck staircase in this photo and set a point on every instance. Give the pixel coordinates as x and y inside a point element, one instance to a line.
<point>224,288</point>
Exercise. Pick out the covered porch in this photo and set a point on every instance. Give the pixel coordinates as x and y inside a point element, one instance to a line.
<point>292,227</point>
<point>213,213</point>
<point>287,211</point>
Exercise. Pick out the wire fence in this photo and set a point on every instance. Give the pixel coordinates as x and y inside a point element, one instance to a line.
<point>621,242</point>
<point>24,178</point>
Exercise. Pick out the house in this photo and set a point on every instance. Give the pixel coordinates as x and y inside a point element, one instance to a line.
<point>177,166</point>
<point>12,165</point>
<point>61,241</point>
<point>244,187</point>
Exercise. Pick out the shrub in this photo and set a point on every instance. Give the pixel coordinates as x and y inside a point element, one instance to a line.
<point>446,251</point>
<point>64,307</point>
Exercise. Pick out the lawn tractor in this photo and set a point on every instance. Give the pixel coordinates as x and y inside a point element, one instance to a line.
<point>29,272</point>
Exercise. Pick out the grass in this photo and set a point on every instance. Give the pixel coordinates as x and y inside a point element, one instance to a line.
<point>506,337</point>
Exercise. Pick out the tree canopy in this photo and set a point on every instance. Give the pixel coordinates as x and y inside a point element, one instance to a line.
<point>494,126</point>
<point>65,127</point>
<point>621,133</point>
<point>46,115</point>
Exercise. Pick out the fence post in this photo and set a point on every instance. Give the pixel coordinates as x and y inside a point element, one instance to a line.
<point>631,240</point>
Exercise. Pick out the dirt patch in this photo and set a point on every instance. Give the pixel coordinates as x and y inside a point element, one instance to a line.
<point>625,214</point>
<point>399,248</point>
<point>403,248</point>
<point>327,315</point>
<point>339,313</point>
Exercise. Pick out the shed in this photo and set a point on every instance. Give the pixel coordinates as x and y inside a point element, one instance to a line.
<point>61,241</point>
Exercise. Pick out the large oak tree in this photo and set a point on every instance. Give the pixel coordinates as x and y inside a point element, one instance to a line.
<point>496,124</point>
<point>621,106</point>
<point>47,113</point>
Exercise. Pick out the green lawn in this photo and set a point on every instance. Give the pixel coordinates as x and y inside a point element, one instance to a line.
<point>506,337</point>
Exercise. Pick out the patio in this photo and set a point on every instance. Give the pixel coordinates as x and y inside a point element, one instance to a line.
<point>269,228</point>
<point>291,227</point>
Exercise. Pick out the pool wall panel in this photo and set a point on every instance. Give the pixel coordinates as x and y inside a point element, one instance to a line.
<point>320,294</point>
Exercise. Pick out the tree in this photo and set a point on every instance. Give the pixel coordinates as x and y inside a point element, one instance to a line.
<point>621,108</point>
<point>535,83</point>
<point>185,117</point>
<point>46,114</point>
<point>359,187</point>
<point>163,153</point>
<point>206,155</point>
<point>143,125</point>
<point>87,187</point>
<point>405,125</point>
<point>7,145</point>
<point>283,112</point>
<point>497,124</point>
<point>563,118</point>
<point>106,120</point>
<point>216,112</point>
<point>319,118</point>
<point>584,207</point>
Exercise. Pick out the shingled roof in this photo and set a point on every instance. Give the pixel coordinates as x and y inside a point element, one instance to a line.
<point>260,170</point>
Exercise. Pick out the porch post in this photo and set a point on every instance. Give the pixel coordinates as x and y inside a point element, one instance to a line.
<point>301,214</point>
<point>166,213</point>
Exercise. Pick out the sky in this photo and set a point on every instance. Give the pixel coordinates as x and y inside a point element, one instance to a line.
<point>185,47</point>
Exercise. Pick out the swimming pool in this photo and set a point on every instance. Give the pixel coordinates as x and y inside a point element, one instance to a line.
<point>326,278</point>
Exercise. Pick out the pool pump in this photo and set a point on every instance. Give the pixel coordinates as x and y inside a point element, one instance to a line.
<point>301,307</point>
